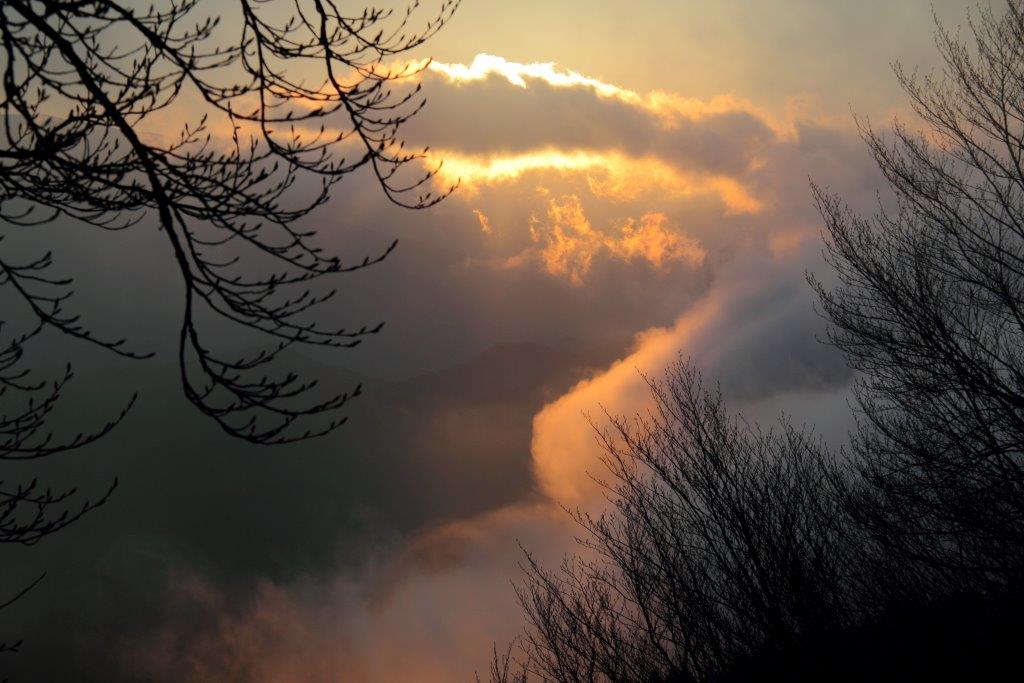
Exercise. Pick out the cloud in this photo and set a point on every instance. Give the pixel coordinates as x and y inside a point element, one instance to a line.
<point>485,222</point>
<point>508,109</point>
<point>608,174</point>
<point>566,244</point>
<point>753,333</point>
<point>650,239</point>
<point>670,107</point>
<point>432,612</point>
<point>565,450</point>
<point>484,65</point>
<point>430,615</point>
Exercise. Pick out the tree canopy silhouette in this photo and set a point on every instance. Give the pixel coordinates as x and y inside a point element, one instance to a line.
<point>718,543</point>
<point>929,309</point>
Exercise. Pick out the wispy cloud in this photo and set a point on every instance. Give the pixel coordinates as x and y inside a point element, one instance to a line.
<point>484,65</point>
<point>485,222</point>
<point>669,106</point>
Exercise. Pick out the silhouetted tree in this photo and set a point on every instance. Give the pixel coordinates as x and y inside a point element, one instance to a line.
<point>286,96</point>
<point>24,435</point>
<point>29,511</point>
<point>718,543</point>
<point>929,308</point>
<point>281,102</point>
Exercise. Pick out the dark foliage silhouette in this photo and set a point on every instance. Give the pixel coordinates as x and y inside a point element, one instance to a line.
<point>732,554</point>
<point>718,543</point>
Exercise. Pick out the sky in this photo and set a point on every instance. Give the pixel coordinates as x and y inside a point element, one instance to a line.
<point>634,188</point>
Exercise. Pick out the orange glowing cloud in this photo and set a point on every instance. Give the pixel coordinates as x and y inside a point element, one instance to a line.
<point>735,316</point>
<point>566,453</point>
<point>485,222</point>
<point>651,240</point>
<point>567,243</point>
<point>609,174</point>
